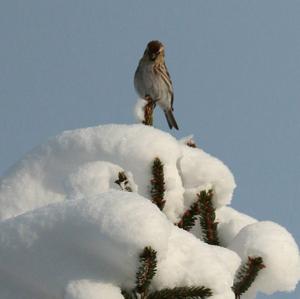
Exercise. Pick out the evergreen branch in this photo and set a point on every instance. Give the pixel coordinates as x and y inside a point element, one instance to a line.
<point>191,143</point>
<point>123,182</point>
<point>189,217</point>
<point>181,293</point>
<point>146,270</point>
<point>246,275</point>
<point>158,183</point>
<point>207,218</point>
<point>148,111</point>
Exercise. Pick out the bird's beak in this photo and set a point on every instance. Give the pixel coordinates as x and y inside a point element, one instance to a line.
<point>153,56</point>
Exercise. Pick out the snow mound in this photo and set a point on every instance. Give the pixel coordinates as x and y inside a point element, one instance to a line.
<point>279,251</point>
<point>186,255</point>
<point>94,178</point>
<point>201,171</point>
<point>98,240</point>
<point>69,166</point>
<point>87,289</point>
<point>230,223</point>
<point>68,231</point>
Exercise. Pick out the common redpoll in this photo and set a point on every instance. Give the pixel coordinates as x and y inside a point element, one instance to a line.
<point>152,79</point>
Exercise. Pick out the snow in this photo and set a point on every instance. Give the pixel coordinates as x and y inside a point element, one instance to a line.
<point>56,170</point>
<point>230,223</point>
<point>138,110</point>
<point>99,239</point>
<point>44,173</point>
<point>68,231</point>
<point>186,255</point>
<point>201,171</point>
<point>279,251</point>
<point>87,289</point>
<point>94,178</point>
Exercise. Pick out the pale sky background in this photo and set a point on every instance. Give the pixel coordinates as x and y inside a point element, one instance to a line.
<point>235,67</point>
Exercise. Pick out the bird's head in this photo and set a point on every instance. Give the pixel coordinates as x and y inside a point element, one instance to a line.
<point>154,49</point>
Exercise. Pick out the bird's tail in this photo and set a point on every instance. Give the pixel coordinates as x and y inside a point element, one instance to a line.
<point>171,119</point>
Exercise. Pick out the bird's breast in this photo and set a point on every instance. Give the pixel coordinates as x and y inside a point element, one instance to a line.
<point>149,82</point>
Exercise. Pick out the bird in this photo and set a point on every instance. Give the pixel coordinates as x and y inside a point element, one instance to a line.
<point>152,79</point>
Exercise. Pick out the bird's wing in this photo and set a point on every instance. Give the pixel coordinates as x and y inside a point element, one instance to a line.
<point>162,70</point>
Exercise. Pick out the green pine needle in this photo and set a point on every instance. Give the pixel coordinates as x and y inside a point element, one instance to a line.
<point>181,293</point>
<point>188,219</point>
<point>146,270</point>
<point>123,182</point>
<point>158,183</point>
<point>207,218</point>
<point>246,275</point>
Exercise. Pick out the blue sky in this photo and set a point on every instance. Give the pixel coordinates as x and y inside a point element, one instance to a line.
<point>235,67</point>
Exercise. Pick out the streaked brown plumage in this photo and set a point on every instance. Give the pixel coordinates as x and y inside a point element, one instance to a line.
<point>152,79</point>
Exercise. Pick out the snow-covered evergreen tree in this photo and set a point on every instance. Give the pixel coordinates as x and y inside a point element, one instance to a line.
<point>128,211</point>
